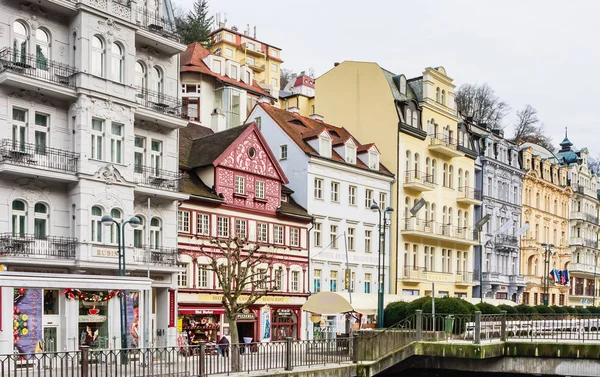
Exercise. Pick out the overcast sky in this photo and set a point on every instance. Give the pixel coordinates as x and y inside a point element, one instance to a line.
<point>542,53</point>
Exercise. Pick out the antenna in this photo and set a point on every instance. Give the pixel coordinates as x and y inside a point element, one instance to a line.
<point>311,72</point>
<point>254,31</point>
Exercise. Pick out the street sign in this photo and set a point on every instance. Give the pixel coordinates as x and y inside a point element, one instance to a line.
<point>347,279</point>
<point>418,205</point>
<point>479,225</point>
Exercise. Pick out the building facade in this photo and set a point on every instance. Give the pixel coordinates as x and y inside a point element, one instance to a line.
<point>546,201</point>
<point>91,116</point>
<point>299,94</point>
<point>337,179</point>
<point>237,189</point>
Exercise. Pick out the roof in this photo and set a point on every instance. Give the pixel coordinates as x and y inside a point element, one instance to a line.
<point>194,186</point>
<point>241,34</point>
<point>300,128</point>
<point>290,207</point>
<point>416,84</point>
<point>205,150</point>
<point>192,61</point>
<point>304,80</point>
<point>187,136</point>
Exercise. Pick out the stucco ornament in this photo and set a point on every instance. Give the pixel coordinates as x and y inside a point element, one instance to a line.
<point>109,174</point>
<point>32,96</point>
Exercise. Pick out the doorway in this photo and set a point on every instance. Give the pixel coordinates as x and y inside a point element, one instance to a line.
<point>245,330</point>
<point>50,339</point>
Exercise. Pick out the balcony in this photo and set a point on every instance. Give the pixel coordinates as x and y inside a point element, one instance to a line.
<point>418,181</point>
<point>158,182</point>
<point>38,161</point>
<point>30,246</point>
<point>468,195</point>
<point>494,278</point>
<point>444,145</point>
<point>505,241</point>
<point>442,232</point>
<point>421,274</point>
<point>253,65</point>
<point>155,27</point>
<point>160,108</point>
<point>582,216</point>
<point>252,50</point>
<point>517,280</point>
<point>37,73</point>
<point>583,269</point>
<point>582,241</point>
<point>162,256</point>
<point>587,191</point>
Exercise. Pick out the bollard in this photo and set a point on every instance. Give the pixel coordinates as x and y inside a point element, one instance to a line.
<point>202,359</point>
<point>503,326</point>
<point>288,353</point>
<point>419,325</point>
<point>85,361</point>
<point>355,344</point>
<point>477,335</point>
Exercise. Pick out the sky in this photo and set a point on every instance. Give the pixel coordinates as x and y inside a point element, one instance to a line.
<point>541,53</point>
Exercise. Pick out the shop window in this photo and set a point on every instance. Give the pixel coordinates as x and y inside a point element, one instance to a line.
<point>51,300</point>
<point>285,324</point>
<point>201,328</point>
<point>93,324</point>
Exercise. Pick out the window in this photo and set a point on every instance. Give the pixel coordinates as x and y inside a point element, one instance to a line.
<point>368,198</point>
<point>382,200</point>
<point>352,195</point>
<point>140,76</point>
<point>239,185</point>
<point>260,189</point>
<point>351,233</point>
<point>19,218</point>
<point>182,276</point>
<point>368,235</point>
<point>42,49</point>
<point>96,220</point>
<point>294,237</point>
<point>273,67</point>
<point>250,61</point>
<point>228,52</point>
<point>97,138</point>
<point>278,234</point>
<point>295,286</point>
<point>333,276</point>
<point>318,192</point>
<point>350,153</point>
<point>278,279</point>
<point>437,94</point>
<point>20,38</point>
<point>97,62</point>
<point>335,192</point>
<point>203,224</point>
<point>275,53</point>
<point>367,283</point>
<point>41,129</point>
<point>183,221</point>
<point>325,146</point>
<point>240,228</point>
<point>228,37</point>
<point>234,72</point>
<point>203,270</point>
<point>283,152</point>
<point>317,281</point>
<point>117,60</point>
<point>114,231</point>
<point>19,128</point>
<point>116,142</point>
<point>138,233</point>
<point>158,82</point>
<point>317,235</point>
<point>374,160</point>
<point>333,229</point>
<point>223,226</point>
<point>262,232</point>
<point>156,155</point>
<point>155,233</point>
<point>443,97</point>
<point>274,82</point>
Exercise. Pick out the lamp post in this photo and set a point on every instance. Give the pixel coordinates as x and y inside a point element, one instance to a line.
<point>595,277</point>
<point>547,250</point>
<point>381,261</point>
<point>133,222</point>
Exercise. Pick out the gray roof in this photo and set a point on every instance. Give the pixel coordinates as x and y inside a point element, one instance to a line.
<point>417,86</point>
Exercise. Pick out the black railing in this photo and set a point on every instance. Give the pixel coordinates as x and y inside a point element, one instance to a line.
<point>469,193</point>
<point>38,156</point>
<point>444,140</point>
<point>505,239</point>
<point>158,24</point>
<point>164,256</point>
<point>160,102</point>
<point>157,178</point>
<point>29,245</point>
<point>428,226</point>
<point>415,176</point>
<point>37,66</point>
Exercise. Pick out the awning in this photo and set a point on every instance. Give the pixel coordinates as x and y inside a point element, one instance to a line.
<point>199,311</point>
<point>327,303</point>
<point>363,303</point>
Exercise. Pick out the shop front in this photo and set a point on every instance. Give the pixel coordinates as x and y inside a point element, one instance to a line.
<point>197,325</point>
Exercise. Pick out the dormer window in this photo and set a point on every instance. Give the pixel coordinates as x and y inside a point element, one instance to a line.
<point>216,66</point>
<point>350,153</point>
<point>325,145</point>
<point>402,85</point>
<point>373,160</point>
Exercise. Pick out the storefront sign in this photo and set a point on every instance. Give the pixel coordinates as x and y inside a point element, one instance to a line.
<point>172,311</point>
<point>206,297</point>
<point>200,311</point>
<point>284,312</point>
<point>92,318</point>
<point>246,315</point>
<point>106,253</point>
<point>27,320</point>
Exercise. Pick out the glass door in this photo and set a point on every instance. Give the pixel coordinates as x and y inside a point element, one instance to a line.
<point>50,339</point>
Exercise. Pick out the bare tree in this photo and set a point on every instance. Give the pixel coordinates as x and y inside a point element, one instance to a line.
<point>243,273</point>
<point>594,164</point>
<point>481,103</point>
<point>285,76</point>
<point>529,129</point>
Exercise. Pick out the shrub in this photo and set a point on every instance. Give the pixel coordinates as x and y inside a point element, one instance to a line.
<point>526,309</point>
<point>571,310</point>
<point>593,309</point>
<point>486,308</point>
<point>543,309</point>
<point>396,312</point>
<point>509,309</point>
<point>559,309</point>
<point>583,311</point>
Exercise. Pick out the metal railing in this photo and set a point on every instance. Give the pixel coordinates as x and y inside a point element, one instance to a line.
<point>469,193</point>
<point>38,67</point>
<point>157,178</point>
<point>165,256</point>
<point>423,273</point>
<point>443,140</point>
<point>28,245</point>
<point>507,240</point>
<point>38,156</point>
<point>159,102</point>
<point>415,176</point>
<point>431,227</point>
<point>157,23</point>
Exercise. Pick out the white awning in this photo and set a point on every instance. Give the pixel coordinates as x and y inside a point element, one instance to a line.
<point>58,281</point>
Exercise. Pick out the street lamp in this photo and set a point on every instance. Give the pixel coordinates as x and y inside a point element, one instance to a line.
<point>133,222</point>
<point>595,277</point>
<point>547,251</point>
<point>381,261</point>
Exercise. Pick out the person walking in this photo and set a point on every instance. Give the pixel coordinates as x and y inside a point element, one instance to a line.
<point>223,346</point>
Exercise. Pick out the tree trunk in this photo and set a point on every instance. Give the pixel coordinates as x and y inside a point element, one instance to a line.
<point>234,353</point>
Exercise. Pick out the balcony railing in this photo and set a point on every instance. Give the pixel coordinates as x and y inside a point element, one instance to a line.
<point>38,156</point>
<point>431,227</point>
<point>164,256</point>
<point>469,193</point>
<point>425,273</point>
<point>157,178</point>
<point>157,23</point>
<point>37,66</point>
<point>578,215</point>
<point>516,279</point>
<point>582,241</point>
<point>507,240</point>
<point>444,140</point>
<point>29,245</point>
<point>415,176</point>
<point>587,191</point>
<point>160,102</point>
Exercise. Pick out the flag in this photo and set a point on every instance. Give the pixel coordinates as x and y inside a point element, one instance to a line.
<point>554,274</point>
<point>566,277</point>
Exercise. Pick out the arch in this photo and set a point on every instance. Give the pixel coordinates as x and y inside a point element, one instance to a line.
<point>98,56</point>
<point>139,231</point>
<point>116,214</point>
<point>427,168</point>
<point>417,163</point>
<point>406,207</point>
<point>158,79</point>
<point>42,48</point>
<point>415,120</point>
<point>40,220</point>
<point>117,52</point>
<point>451,176</point>
<point>443,101</point>
<point>155,232</point>
<point>460,179</point>
<point>19,218</point>
<point>408,116</point>
<point>433,216</point>
<point>433,167</point>
<point>445,175</point>
<point>408,162</point>
<point>20,46</point>
<point>437,94</point>
<point>141,75</point>
<point>96,224</point>
<point>467,183</point>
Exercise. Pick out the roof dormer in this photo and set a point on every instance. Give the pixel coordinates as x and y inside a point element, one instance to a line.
<point>369,155</point>
<point>325,144</point>
<point>350,152</point>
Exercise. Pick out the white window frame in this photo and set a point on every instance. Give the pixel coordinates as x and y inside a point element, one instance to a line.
<point>116,142</point>
<point>351,237</point>
<point>223,224</point>
<point>318,188</point>
<point>368,240</point>
<point>239,187</point>
<point>368,198</point>
<point>278,234</point>
<point>262,232</point>
<point>203,224</point>
<point>333,236</point>
<point>283,152</point>
<point>97,139</point>
<point>295,281</point>
<point>241,228</point>
<point>203,275</point>
<point>335,192</point>
<point>259,189</point>
<point>352,195</point>
<point>317,235</point>
<point>295,237</point>
<point>183,221</point>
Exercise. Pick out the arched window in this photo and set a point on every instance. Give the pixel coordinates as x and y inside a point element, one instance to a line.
<point>467,219</point>
<point>140,76</point>
<point>445,175</point>
<point>155,233</point>
<point>432,217</point>
<point>467,182</point>
<point>459,220</point>
<point>443,97</point>
<point>408,162</point>
<point>158,81</point>
<point>138,233</point>
<point>433,171</point>
<point>427,167</point>
<point>417,164</point>
<point>444,215</point>
<point>437,95</point>
<point>20,38</point>
<point>114,231</point>
<point>40,221</point>
<point>97,56</point>
<point>96,224</point>
<point>427,212</point>
<point>460,180</point>
<point>451,176</point>
<point>19,218</point>
<point>415,120</point>
<point>450,216</point>
<point>42,49</point>
<point>117,62</point>
<point>408,116</point>
<point>406,207</point>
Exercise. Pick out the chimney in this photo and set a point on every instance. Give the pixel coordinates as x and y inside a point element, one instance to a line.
<point>336,64</point>
<point>264,99</point>
<point>316,117</point>
<point>254,31</point>
<point>293,110</point>
<point>302,73</point>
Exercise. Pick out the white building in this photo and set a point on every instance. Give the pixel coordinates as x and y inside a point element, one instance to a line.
<point>90,112</point>
<point>336,179</point>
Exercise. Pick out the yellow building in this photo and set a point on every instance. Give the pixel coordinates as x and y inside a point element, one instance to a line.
<point>262,58</point>
<point>299,93</point>
<point>546,198</point>
<point>415,126</point>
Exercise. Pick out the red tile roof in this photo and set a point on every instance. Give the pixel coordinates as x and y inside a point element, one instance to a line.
<point>191,61</point>
<point>300,128</point>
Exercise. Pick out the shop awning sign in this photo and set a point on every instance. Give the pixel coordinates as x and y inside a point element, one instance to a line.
<point>92,318</point>
<point>247,314</point>
<point>284,312</point>
<point>200,311</point>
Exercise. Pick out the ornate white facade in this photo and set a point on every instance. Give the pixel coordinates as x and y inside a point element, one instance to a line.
<point>89,103</point>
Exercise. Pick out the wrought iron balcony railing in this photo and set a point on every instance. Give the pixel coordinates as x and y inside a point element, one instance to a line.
<point>429,274</point>
<point>157,23</point>
<point>164,256</point>
<point>445,140</point>
<point>508,240</point>
<point>412,224</point>
<point>160,102</point>
<point>415,176</point>
<point>29,245</point>
<point>38,156</point>
<point>469,193</point>
<point>37,66</point>
<point>157,178</point>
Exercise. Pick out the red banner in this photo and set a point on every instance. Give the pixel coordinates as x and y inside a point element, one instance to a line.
<point>172,308</point>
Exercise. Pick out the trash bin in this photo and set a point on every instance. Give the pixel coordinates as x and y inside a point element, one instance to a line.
<point>449,324</point>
